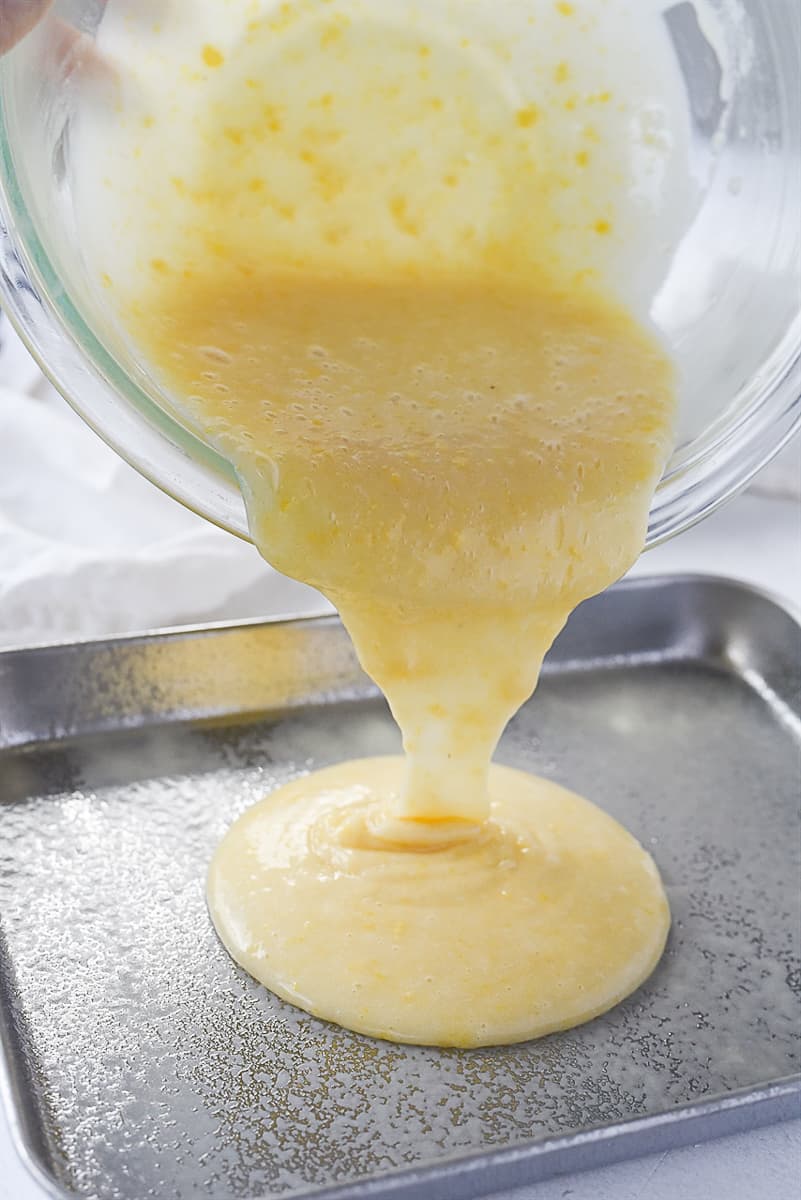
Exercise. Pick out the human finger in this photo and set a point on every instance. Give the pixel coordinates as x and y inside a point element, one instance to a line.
<point>18,17</point>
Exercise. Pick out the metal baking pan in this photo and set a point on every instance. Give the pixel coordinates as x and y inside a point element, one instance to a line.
<point>139,1061</point>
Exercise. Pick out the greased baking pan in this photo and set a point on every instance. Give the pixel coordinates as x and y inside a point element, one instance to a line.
<point>140,1061</point>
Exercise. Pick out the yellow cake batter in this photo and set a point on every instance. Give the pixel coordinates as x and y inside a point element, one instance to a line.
<point>535,920</point>
<point>384,277</point>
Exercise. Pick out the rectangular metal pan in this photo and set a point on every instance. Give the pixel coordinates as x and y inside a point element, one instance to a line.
<point>139,1061</point>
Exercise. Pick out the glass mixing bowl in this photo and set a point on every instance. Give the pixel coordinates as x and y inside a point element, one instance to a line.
<point>729,307</point>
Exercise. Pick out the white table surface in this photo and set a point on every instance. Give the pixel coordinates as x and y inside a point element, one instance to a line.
<point>757,539</point>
